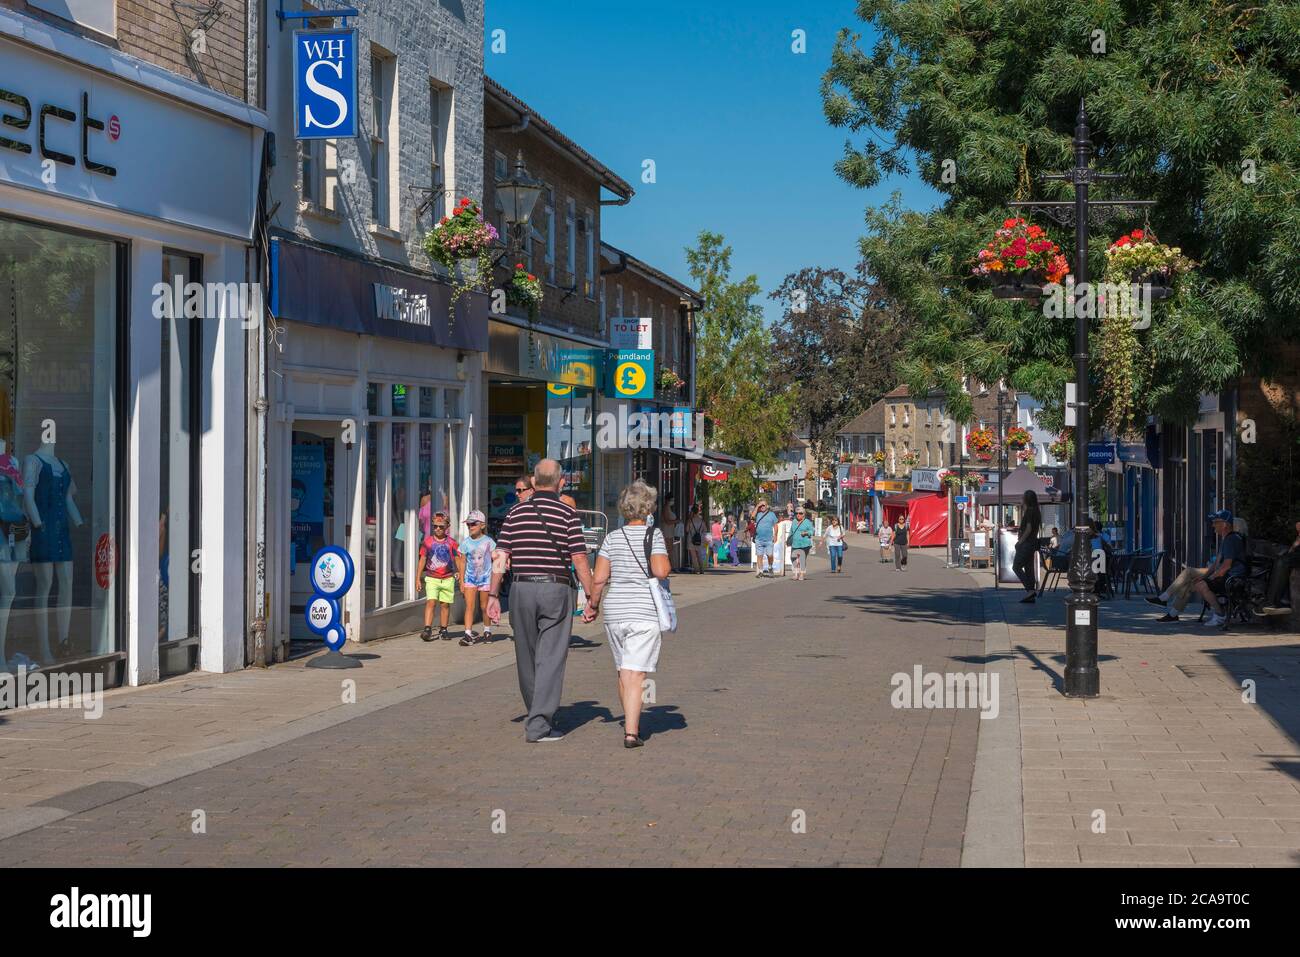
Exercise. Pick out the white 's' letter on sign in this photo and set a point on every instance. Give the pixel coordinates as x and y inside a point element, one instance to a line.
<point>325,84</point>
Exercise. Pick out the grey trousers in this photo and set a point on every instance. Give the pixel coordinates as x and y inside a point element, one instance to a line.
<point>541,616</point>
<point>900,555</point>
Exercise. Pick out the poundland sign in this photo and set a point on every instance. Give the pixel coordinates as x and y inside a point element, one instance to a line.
<point>325,84</point>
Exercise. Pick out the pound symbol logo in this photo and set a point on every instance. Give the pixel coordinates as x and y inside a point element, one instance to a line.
<point>630,378</point>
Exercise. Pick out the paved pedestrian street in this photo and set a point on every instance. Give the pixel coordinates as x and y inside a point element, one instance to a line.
<point>771,740</point>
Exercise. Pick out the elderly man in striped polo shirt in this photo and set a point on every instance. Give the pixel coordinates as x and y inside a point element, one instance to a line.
<point>541,537</point>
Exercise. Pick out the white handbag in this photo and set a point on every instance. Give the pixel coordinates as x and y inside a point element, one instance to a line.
<point>659,593</point>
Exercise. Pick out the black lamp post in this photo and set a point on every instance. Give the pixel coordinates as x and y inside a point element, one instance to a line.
<point>1082,677</point>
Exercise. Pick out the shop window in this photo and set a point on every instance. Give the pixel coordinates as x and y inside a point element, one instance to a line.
<point>372,515</point>
<point>399,527</point>
<point>399,396</point>
<point>451,403</point>
<point>372,398</point>
<point>178,486</point>
<point>59,540</point>
<point>425,504</point>
<point>426,403</point>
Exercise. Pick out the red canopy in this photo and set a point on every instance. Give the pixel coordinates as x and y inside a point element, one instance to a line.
<point>927,514</point>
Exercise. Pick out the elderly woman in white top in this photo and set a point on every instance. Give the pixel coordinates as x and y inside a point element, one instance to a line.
<point>622,593</point>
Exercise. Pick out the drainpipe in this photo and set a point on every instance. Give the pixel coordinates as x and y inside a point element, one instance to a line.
<point>260,333</point>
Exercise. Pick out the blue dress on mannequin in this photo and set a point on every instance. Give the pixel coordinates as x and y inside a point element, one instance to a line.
<point>52,542</point>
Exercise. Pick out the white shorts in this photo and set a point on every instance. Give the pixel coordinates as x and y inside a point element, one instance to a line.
<point>635,644</point>
<point>763,549</point>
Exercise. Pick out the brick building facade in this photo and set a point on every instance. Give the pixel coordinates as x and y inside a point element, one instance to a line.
<point>561,245</point>
<point>207,47</point>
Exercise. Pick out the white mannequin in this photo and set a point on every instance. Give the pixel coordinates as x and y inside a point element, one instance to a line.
<point>45,571</point>
<point>8,575</point>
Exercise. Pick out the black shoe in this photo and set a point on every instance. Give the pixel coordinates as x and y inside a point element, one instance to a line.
<point>1156,600</point>
<point>1167,617</point>
<point>468,639</point>
<point>427,634</point>
<point>633,741</point>
<point>1029,599</point>
<point>444,634</point>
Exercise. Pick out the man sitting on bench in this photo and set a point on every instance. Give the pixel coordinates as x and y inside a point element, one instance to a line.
<point>1231,564</point>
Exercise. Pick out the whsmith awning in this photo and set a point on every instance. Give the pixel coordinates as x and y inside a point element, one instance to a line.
<point>323,288</point>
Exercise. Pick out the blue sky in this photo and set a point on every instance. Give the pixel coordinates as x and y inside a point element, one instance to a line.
<point>713,93</point>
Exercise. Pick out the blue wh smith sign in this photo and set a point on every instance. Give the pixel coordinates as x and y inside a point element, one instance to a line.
<point>324,84</point>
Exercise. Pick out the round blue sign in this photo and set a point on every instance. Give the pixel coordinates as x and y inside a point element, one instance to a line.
<point>323,614</point>
<point>332,571</point>
<point>335,638</point>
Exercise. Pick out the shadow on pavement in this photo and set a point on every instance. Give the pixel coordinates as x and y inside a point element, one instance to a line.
<point>1275,673</point>
<point>954,605</point>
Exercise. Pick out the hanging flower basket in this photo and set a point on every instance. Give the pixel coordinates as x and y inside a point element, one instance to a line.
<point>461,243</point>
<point>879,458</point>
<point>827,474</point>
<point>909,460</point>
<point>524,289</point>
<point>1019,260</point>
<point>1139,257</point>
<point>956,482</point>
<point>1063,448</point>
<point>670,381</point>
<point>982,443</point>
<point>1018,438</point>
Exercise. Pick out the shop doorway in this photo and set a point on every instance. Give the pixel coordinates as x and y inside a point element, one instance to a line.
<point>317,514</point>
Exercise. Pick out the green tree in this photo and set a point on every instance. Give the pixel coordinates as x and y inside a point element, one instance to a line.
<point>746,416</point>
<point>1193,101</point>
<point>837,341</point>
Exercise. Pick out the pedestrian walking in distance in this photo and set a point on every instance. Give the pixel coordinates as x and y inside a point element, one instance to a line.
<point>801,539</point>
<point>764,531</point>
<point>542,537</point>
<point>625,563</point>
<point>1031,524</point>
<point>835,544</point>
<point>900,543</point>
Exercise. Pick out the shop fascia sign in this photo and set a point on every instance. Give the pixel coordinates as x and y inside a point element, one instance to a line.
<point>925,480</point>
<point>18,113</point>
<point>554,360</point>
<point>401,305</point>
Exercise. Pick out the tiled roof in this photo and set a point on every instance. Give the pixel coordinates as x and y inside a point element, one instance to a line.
<point>609,179</point>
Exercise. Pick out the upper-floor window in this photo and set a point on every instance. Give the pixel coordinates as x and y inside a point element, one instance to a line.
<point>618,299</point>
<point>636,307</point>
<point>893,415</point>
<point>310,169</point>
<point>381,139</point>
<point>499,173</point>
<point>604,314</point>
<point>571,239</point>
<point>440,171</point>
<point>549,214</point>
<point>589,252</point>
